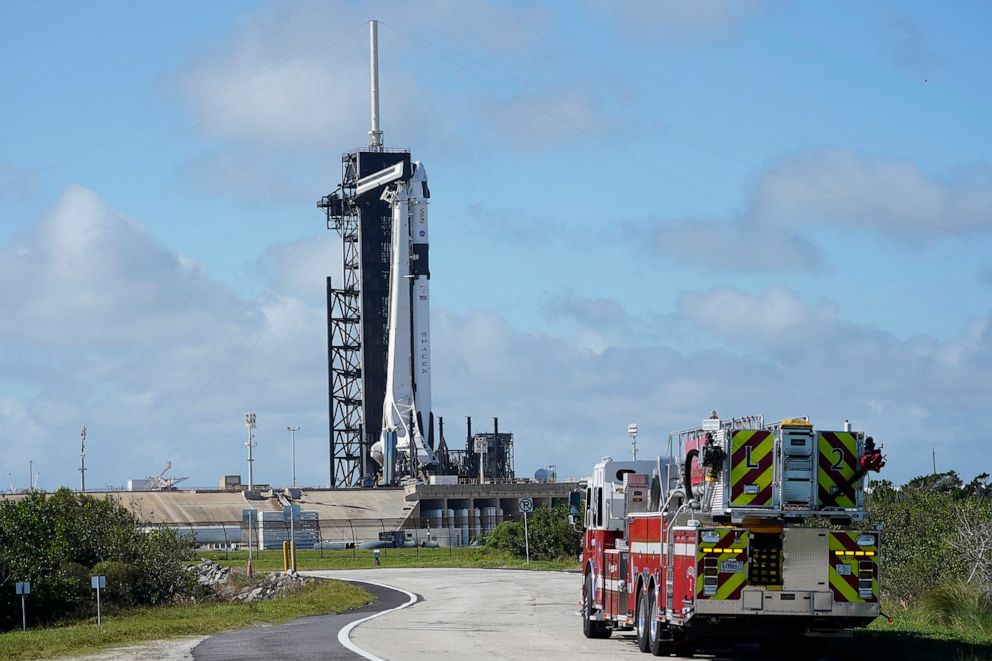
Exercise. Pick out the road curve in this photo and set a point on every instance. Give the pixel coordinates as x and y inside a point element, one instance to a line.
<point>307,639</point>
<point>481,613</point>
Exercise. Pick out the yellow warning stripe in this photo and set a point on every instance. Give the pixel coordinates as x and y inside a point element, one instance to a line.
<point>740,471</point>
<point>829,479</point>
<point>840,544</point>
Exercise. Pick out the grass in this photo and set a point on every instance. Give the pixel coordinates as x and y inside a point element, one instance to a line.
<point>402,557</point>
<point>917,635</point>
<point>322,597</point>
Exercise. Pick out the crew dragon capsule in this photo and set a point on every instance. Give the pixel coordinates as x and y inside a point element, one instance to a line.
<point>407,420</point>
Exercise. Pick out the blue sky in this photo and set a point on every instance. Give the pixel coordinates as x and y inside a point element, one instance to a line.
<point>640,211</point>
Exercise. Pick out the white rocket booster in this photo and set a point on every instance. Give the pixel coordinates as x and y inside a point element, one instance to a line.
<point>407,405</point>
<point>421,304</point>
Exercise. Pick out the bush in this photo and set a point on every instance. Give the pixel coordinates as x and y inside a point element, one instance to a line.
<point>552,537</point>
<point>122,583</point>
<point>961,605</point>
<point>58,540</point>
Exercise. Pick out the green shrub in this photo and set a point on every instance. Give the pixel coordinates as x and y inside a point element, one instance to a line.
<point>960,605</point>
<point>57,540</point>
<point>551,536</point>
<point>122,583</point>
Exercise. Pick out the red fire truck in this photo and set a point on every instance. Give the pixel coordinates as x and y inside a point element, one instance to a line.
<point>755,533</point>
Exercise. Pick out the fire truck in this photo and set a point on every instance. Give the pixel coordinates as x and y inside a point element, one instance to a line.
<point>744,532</point>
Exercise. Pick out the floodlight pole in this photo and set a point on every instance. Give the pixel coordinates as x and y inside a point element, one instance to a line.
<point>250,424</point>
<point>293,430</point>
<point>632,432</point>
<point>82,460</point>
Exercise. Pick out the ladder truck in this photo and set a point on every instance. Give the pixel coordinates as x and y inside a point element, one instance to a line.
<point>745,532</point>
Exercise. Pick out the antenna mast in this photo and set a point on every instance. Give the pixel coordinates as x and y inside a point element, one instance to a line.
<point>375,135</point>
<point>82,460</point>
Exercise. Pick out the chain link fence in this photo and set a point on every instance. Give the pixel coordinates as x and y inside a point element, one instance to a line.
<point>443,529</point>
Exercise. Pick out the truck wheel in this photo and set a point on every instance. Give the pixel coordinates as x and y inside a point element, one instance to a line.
<point>643,622</point>
<point>657,646</point>
<point>590,628</point>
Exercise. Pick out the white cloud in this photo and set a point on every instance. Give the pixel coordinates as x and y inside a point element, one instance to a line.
<point>284,90</point>
<point>744,246</point>
<point>847,190</point>
<point>831,189</point>
<point>105,327</point>
<point>771,353</point>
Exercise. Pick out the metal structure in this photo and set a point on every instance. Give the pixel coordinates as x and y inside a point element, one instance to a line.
<point>379,189</point>
<point>82,460</point>
<point>292,431</point>
<point>162,481</point>
<point>250,444</point>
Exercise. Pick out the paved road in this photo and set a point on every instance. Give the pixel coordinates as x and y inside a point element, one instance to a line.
<point>306,639</point>
<point>482,614</point>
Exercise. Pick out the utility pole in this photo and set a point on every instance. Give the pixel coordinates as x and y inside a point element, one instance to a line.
<point>293,430</point>
<point>250,443</point>
<point>30,474</point>
<point>632,432</point>
<point>82,460</point>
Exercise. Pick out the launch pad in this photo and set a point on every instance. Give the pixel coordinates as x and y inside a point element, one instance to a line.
<point>380,417</point>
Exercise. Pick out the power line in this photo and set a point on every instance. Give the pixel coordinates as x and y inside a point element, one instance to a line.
<point>686,184</point>
<point>214,374</point>
<point>302,56</point>
<point>49,200</point>
<point>422,42</point>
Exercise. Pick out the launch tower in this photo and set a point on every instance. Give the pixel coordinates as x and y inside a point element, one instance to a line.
<point>363,370</point>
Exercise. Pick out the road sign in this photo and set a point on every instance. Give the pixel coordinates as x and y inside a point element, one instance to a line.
<point>481,446</point>
<point>23,588</point>
<point>291,513</point>
<point>249,516</point>
<point>98,583</point>
<point>526,505</point>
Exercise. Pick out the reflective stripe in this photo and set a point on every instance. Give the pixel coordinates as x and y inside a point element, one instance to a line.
<point>837,459</point>
<point>853,578</point>
<point>646,547</point>
<point>658,548</point>
<point>751,468</point>
<point>722,567</point>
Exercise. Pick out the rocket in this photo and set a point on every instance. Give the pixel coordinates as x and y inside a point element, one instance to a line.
<point>406,409</point>
<point>420,270</point>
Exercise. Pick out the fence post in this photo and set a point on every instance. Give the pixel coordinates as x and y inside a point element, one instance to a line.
<point>354,543</point>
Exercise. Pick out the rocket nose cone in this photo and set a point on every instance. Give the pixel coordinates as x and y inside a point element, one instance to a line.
<point>419,172</point>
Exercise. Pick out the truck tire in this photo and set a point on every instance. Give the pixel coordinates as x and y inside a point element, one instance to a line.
<point>643,622</point>
<point>590,628</point>
<point>657,646</point>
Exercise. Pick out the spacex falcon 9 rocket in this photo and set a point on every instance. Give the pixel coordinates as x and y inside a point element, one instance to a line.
<point>407,437</point>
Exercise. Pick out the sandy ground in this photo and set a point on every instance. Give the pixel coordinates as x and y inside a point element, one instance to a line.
<point>172,649</point>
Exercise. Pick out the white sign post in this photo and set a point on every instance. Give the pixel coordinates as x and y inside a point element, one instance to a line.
<point>526,505</point>
<point>98,583</point>
<point>23,588</point>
